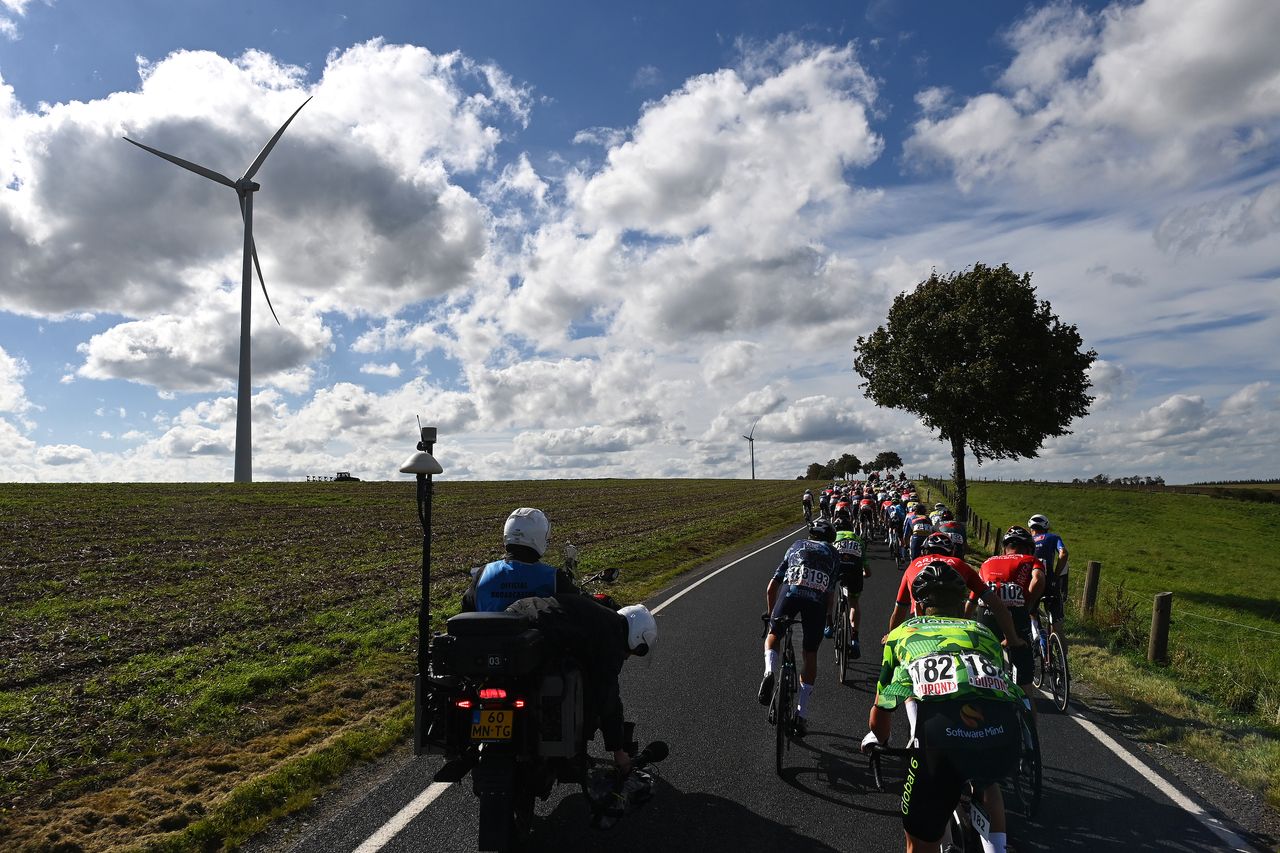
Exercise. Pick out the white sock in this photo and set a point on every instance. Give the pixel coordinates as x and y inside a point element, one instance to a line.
<point>770,661</point>
<point>996,844</point>
<point>806,691</point>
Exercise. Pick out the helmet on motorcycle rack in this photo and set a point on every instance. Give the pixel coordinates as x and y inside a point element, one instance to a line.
<point>1038,522</point>
<point>938,543</point>
<point>527,527</point>
<point>642,629</point>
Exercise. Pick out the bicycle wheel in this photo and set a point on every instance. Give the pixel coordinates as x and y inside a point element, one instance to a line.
<point>1029,781</point>
<point>1037,662</point>
<point>1058,676</point>
<point>785,701</point>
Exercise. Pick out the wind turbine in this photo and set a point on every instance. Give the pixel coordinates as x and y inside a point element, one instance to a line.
<point>751,440</point>
<point>245,188</point>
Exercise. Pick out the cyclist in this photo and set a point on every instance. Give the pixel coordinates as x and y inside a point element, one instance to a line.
<point>521,573</point>
<point>955,530</point>
<point>853,568</point>
<point>1051,551</point>
<point>916,529</point>
<point>803,584</point>
<point>806,501</point>
<point>939,547</point>
<point>600,640</point>
<point>824,502</point>
<point>894,516</point>
<point>1017,577</point>
<point>963,712</point>
<point>939,509</point>
<point>840,514</point>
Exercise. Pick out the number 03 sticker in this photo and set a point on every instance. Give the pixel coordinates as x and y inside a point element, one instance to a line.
<point>933,675</point>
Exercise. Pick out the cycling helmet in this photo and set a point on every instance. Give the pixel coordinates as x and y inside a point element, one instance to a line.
<point>946,515</point>
<point>938,543</point>
<point>1038,522</point>
<point>939,505</point>
<point>936,577</point>
<point>642,629</point>
<point>528,527</point>
<point>822,531</point>
<point>1020,538</point>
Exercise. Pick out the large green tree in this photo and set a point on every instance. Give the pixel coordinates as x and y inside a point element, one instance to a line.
<point>887,461</point>
<point>981,360</point>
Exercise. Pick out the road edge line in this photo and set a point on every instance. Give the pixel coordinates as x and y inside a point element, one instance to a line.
<point>1164,786</point>
<point>401,819</point>
<point>700,581</point>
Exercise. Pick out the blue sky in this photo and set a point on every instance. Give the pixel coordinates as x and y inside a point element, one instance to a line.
<point>575,234</point>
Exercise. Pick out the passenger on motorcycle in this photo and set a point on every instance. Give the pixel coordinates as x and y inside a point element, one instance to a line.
<point>599,641</point>
<point>521,573</point>
<point>803,584</point>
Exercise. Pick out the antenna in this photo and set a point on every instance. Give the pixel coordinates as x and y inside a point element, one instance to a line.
<point>245,188</point>
<point>751,441</point>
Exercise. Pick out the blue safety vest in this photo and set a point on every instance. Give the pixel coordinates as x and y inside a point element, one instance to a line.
<point>504,582</point>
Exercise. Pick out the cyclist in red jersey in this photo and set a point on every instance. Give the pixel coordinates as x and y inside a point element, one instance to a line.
<point>1018,579</point>
<point>939,547</point>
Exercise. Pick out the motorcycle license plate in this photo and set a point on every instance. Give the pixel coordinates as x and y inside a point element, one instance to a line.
<point>491,725</point>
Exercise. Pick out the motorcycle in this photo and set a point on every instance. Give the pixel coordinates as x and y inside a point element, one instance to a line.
<point>505,707</point>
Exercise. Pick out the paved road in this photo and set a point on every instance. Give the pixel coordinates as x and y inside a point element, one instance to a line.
<point>719,791</point>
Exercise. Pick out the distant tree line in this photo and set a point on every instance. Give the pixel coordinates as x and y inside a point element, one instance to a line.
<point>1136,480</point>
<point>849,465</point>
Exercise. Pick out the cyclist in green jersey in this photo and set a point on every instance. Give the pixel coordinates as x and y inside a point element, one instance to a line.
<point>962,706</point>
<point>853,568</point>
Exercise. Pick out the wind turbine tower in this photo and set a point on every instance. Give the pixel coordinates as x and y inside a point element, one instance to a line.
<point>751,441</point>
<point>245,188</point>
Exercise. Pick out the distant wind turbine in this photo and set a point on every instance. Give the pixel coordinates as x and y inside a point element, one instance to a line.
<point>751,440</point>
<point>245,188</point>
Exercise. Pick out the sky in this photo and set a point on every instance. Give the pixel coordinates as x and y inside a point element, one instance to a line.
<point>604,239</point>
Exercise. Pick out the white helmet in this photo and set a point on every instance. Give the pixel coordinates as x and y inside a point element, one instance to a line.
<point>1038,520</point>
<point>642,629</point>
<point>528,527</point>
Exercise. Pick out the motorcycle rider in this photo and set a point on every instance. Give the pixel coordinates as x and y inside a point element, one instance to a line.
<point>521,573</point>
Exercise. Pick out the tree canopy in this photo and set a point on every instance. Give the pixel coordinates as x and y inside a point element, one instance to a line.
<point>981,360</point>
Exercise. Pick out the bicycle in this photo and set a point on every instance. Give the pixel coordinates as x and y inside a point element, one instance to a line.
<point>1050,661</point>
<point>786,686</point>
<point>841,632</point>
<point>970,823</point>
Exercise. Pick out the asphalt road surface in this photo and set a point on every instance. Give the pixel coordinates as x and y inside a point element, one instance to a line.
<point>718,790</point>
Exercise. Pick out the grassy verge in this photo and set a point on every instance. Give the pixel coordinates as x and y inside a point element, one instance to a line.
<point>180,663</point>
<point>1219,697</point>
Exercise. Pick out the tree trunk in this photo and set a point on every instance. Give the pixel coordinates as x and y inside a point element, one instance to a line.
<point>961,508</point>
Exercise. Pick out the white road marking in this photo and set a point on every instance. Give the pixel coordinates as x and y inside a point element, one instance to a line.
<point>701,581</point>
<point>1225,835</point>
<point>391,828</point>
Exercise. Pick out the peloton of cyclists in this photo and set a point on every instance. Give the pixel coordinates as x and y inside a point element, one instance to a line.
<point>803,585</point>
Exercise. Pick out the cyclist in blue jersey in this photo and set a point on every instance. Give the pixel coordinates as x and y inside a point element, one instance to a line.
<point>1052,551</point>
<point>803,584</point>
<point>521,573</point>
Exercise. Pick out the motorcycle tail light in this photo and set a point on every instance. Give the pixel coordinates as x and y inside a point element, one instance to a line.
<point>493,693</point>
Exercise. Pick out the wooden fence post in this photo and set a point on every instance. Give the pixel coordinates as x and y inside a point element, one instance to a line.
<point>1158,644</point>
<point>1089,599</point>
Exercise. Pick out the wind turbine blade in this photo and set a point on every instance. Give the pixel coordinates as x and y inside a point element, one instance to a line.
<point>262,155</point>
<point>253,247</point>
<point>186,164</point>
